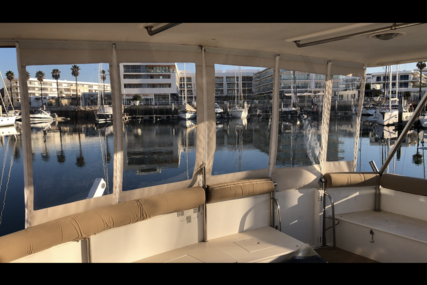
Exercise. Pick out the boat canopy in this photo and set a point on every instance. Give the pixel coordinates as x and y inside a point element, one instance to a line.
<point>276,46</point>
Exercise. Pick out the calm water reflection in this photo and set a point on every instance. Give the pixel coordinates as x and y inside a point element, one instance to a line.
<point>68,157</point>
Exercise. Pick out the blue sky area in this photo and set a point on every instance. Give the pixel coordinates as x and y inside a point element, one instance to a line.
<point>88,72</point>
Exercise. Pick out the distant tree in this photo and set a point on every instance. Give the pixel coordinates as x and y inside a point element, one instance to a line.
<point>10,76</point>
<point>75,72</point>
<point>40,77</point>
<point>56,75</point>
<point>421,65</point>
<point>28,76</point>
<point>103,78</point>
<point>136,97</point>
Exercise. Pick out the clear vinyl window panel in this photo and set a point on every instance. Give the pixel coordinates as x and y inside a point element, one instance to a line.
<point>242,121</point>
<point>72,152</point>
<point>343,118</point>
<point>300,118</point>
<point>159,143</point>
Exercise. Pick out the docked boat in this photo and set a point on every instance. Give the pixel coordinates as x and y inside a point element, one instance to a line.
<point>41,116</point>
<point>239,112</point>
<point>388,114</point>
<point>369,110</point>
<point>218,111</point>
<point>321,212</point>
<point>7,121</point>
<point>105,114</point>
<point>290,111</point>
<point>187,112</point>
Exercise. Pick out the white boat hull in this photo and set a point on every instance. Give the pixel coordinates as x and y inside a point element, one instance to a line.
<point>390,118</point>
<point>368,112</point>
<point>7,121</point>
<point>239,113</point>
<point>187,115</point>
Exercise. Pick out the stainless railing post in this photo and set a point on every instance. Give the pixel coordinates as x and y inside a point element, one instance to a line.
<point>205,221</point>
<point>323,185</point>
<point>377,199</point>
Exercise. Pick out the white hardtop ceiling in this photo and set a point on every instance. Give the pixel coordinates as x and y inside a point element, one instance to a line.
<point>263,37</point>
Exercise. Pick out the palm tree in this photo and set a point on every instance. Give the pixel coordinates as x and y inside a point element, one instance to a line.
<point>10,76</point>
<point>56,75</point>
<point>421,65</point>
<point>103,78</point>
<point>40,77</point>
<point>75,72</point>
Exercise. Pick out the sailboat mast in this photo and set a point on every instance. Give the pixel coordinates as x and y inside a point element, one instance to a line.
<point>240,84</point>
<point>397,83</point>
<point>235,85</point>
<point>389,97</point>
<point>185,85</point>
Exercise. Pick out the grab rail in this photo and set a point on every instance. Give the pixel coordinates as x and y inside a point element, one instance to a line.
<point>323,186</point>
<point>278,214</point>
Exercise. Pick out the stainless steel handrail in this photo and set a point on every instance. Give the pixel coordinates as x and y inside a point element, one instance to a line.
<point>323,185</point>
<point>278,213</point>
<point>404,132</point>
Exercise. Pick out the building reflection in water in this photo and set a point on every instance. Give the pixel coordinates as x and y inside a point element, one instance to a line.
<point>162,151</point>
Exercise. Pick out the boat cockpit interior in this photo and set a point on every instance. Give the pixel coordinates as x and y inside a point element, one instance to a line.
<point>311,213</point>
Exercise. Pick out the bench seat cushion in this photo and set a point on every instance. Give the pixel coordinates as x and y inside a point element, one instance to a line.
<point>412,185</point>
<point>239,189</point>
<point>83,225</point>
<point>351,179</point>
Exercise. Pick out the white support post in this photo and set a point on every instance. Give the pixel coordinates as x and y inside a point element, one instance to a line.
<point>274,119</point>
<point>117,125</point>
<point>26,138</point>
<point>326,110</point>
<point>359,115</point>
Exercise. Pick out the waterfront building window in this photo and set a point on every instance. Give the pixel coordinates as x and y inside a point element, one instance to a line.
<point>158,85</point>
<point>404,77</point>
<point>219,79</point>
<point>132,76</point>
<point>162,76</point>
<point>133,86</point>
<point>133,69</point>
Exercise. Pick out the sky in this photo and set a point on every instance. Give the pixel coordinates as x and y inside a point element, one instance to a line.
<point>88,72</point>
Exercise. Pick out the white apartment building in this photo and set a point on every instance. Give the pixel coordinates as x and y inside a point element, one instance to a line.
<point>409,81</point>
<point>156,83</point>
<point>226,84</point>
<point>48,87</point>
<point>190,81</point>
<point>305,83</point>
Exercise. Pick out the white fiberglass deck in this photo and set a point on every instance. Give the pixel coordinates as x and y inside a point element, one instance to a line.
<point>261,245</point>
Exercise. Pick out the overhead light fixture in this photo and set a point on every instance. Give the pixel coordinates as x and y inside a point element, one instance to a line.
<point>152,32</point>
<point>370,32</point>
<point>386,36</point>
